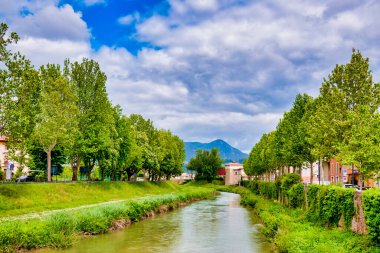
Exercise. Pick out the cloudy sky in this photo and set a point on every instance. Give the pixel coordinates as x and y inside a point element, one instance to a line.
<point>205,69</point>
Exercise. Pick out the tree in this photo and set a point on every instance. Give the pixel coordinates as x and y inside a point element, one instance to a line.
<point>172,154</point>
<point>206,163</point>
<point>348,92</point>
<point>96,121</point>
<point>19,97</point>
<point>57,119</point>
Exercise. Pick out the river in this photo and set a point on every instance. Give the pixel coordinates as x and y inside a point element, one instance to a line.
<point>219,225</point>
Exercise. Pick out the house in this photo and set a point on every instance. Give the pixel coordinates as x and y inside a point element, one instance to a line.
<point>8,167</point>
<point>234,173</point>
<point>333,172</point>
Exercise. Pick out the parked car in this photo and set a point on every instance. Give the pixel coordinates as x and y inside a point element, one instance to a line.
<point>25,178</point>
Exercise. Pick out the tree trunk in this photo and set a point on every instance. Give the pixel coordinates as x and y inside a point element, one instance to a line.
<point>311,172</point>
<point>75,164</point>
<point>103,173</point>
<point>48,165</point>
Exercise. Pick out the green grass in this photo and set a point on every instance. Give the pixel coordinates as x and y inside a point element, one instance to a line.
<point>62,229</point>
<point>19,199</point>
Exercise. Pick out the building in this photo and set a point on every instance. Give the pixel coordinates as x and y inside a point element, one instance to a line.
<point>234,173</point>
<point>8,167</point>
<point>333,172</point>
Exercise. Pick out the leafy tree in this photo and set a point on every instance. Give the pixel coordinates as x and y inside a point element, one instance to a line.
<point>56,121</point>
<point>206,163</point>
<point>96,121</point>
<point>172,154</point>
<point>19,97</point>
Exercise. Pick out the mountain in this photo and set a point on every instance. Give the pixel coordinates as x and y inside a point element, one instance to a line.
<point>227,152</point>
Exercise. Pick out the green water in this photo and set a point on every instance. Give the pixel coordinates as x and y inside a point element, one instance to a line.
<point>219,225</point>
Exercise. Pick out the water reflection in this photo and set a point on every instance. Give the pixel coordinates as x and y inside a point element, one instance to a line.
<point>219,225</point>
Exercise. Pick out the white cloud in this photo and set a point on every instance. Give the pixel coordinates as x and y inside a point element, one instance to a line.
<point>41,51</point>
<point>126,20</point>
<point>94,2</point>
<point>225,69</point>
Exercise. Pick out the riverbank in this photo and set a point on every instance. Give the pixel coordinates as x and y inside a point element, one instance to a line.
<point>62,229</point>
<point>290,231</point>
<point>18,199</point>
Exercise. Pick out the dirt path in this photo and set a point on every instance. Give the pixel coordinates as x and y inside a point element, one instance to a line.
<point>46,213</point>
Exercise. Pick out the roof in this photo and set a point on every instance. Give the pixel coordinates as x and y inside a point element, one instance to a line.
<point>3,138</point>
<point>233,164</point>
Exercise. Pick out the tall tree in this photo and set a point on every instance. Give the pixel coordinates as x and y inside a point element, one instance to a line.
<point>19,97</point>
<point>96,121</point>
<point>57,119</point>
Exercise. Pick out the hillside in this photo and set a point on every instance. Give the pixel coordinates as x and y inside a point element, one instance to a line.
<point>227,152</point>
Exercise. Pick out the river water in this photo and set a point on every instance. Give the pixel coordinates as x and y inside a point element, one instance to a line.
<point>219,225</point>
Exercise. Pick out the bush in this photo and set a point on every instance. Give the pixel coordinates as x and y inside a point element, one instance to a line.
<point>288,180</point>
<point>268,189</point>
<point>271,224</point>
<point>248,200</point>
<point>332,206</point>
<point>296,196</point>
<point>371,205</point>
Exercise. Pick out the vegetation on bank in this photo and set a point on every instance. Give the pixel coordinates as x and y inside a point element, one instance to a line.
<point>62,229</point>
<point>291,230</point>
<point>28,198</point>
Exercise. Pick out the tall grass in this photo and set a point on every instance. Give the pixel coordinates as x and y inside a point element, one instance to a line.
<point>61,229</point>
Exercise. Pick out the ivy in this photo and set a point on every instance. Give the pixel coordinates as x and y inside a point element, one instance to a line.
<point>296,196</point>
<point>371,206</point>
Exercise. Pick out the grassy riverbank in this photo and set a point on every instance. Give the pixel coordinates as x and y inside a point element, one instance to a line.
<point>62,229</point>
<point>290,231</point>
<point>16,199</point>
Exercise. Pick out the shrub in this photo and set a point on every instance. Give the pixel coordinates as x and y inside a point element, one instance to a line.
<point>268,189</point>
<point>332,206</point>
<point>271,224</point>
<point>248,200</point>
<point>371,205</point>
<point>296,195</point>
<point>288,180</point>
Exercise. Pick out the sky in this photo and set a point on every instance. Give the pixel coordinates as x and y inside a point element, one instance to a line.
<point>205,69</point>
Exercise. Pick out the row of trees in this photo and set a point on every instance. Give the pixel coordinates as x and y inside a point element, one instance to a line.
<point>343,122</point>
<point>66,108</point>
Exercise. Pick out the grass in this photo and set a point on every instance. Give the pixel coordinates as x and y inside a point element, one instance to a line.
<point>19,199</point>
<point>62,229</point>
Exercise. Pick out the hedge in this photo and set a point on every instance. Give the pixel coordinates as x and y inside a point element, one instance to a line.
<point>324,204</point>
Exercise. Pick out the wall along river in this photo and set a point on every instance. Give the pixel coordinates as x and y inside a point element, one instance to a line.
<point>219,225</point>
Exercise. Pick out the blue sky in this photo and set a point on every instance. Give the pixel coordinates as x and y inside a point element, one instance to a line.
<point>205,69</point>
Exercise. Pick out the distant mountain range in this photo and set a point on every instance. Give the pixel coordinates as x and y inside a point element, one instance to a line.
<point>227,152</point>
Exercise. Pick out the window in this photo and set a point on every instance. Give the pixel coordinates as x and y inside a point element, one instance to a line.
<point>332,169</point>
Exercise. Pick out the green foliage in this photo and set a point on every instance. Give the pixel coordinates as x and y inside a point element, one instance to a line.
<point>268,189</point>
<point>206,163</point>
<point>296,196</point>
<point>371,204</point>
<point>248,200</point>
<point>288,180</point>
<point>271,224</point>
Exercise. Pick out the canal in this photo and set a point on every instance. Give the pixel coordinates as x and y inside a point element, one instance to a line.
<point>219,225</point>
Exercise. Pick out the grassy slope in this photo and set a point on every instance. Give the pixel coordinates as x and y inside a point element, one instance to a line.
<point>28,198</point>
